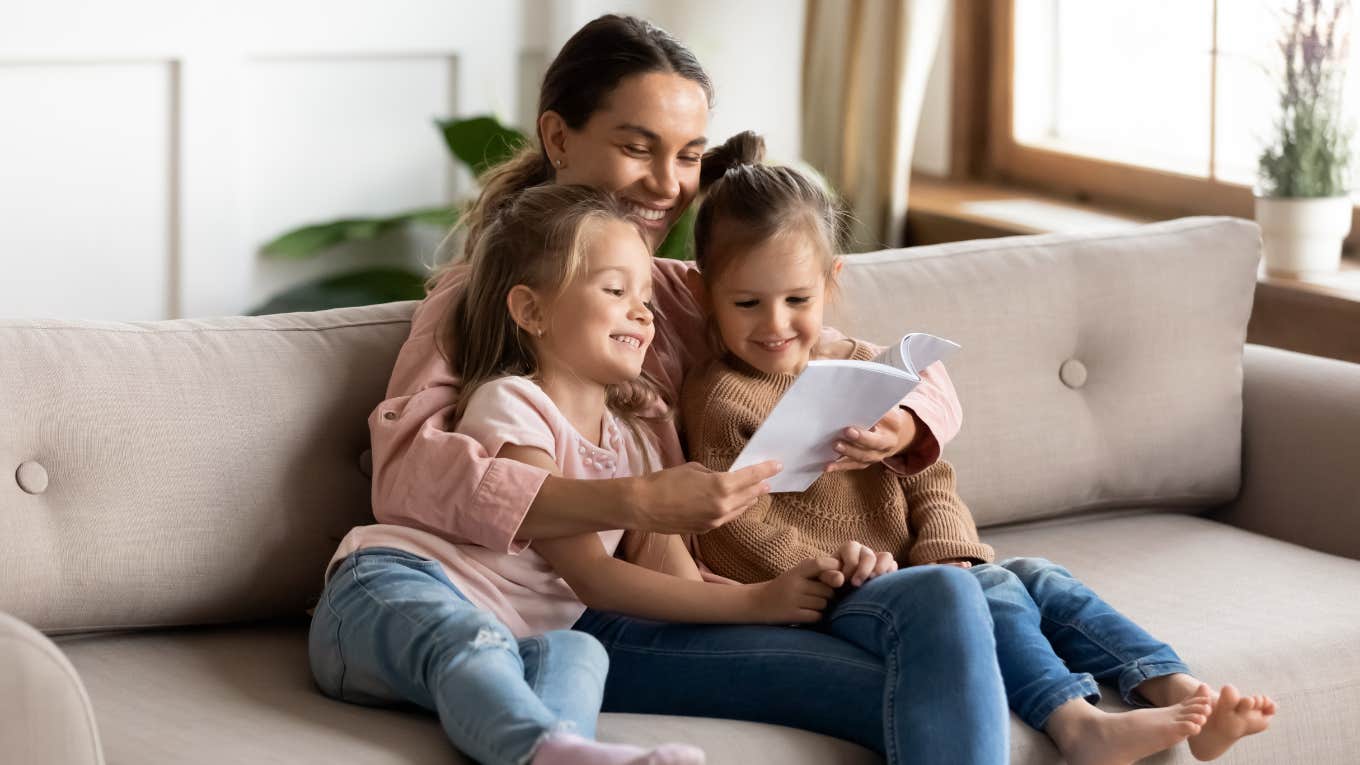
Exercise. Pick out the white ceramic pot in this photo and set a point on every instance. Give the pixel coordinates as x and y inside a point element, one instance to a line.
<point>1303,235</point>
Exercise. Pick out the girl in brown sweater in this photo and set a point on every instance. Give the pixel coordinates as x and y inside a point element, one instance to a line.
<point>765,238</point>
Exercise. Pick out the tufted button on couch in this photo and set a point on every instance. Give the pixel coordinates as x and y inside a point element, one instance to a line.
<point>170,492</point>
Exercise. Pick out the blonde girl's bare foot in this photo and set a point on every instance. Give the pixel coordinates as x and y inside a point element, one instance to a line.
<point>1233,717</point>
<point>1090,736</point>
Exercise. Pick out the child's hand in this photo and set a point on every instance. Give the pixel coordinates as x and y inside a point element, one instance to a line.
<point>861,448</point>
<point>859,564</point>
<point>798,595</point>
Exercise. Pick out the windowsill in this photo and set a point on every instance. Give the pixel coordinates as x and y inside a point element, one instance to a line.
<point>1311,314</point>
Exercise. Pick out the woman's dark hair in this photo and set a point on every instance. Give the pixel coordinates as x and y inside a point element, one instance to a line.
<point>587,70</point>
<point>750,202</point>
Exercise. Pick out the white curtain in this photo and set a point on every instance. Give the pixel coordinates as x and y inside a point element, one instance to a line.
<point>865,66</point>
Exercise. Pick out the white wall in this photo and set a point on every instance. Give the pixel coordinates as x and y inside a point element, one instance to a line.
<point>148,148</point>
<point>752,49</point>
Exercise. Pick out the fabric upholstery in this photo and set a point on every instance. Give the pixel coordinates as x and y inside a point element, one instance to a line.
<point>197,471</point>
<point>1240,608</point>
<point>244,694</point>
<point>1301,461</point>
<point>1265,615</point>
<point>45,714</point>
<point>1157,317</point>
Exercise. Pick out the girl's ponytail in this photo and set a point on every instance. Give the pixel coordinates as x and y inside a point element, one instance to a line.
<point>744,148</point>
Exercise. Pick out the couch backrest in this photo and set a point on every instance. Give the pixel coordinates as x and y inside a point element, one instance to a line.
<point>183,472</point>
<point>1096,371</point>
<point>203,471</point>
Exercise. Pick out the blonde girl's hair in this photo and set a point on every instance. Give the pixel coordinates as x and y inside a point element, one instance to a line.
<point>577,84</point>
<point>747,202</point>
<point>538,239</point>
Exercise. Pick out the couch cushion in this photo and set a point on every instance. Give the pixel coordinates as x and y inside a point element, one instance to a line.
<point>196,471</point>
<point>1096,370</point>
<point>245,694</point>
<point>1239,608</point>
<point>1263,615</point>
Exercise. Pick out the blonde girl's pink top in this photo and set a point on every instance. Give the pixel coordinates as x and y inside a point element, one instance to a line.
<point>427,476</point>
<point>521,589</point>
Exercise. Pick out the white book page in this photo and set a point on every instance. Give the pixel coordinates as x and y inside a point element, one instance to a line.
<point>830,396</point>
<point>827,397</point>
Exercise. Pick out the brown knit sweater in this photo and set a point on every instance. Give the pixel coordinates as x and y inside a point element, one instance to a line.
<point>918,518</point>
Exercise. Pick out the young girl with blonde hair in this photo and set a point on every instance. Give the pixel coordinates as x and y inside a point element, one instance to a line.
<point>765,239</point>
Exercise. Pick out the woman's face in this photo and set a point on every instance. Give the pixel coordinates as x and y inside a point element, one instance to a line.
<point>644,143</point>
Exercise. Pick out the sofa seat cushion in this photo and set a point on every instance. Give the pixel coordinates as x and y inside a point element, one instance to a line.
<point>244,694</point>
<point>1239,608</point>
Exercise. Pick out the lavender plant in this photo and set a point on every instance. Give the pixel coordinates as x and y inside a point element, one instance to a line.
<point>1309,155</point>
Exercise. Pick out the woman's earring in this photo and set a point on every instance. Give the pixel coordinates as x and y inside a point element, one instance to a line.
<point>558,162</point>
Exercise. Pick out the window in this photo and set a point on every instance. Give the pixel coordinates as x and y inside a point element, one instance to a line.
<point>1160,104</point>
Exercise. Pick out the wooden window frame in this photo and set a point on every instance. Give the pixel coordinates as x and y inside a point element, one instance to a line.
<point>984,146</point>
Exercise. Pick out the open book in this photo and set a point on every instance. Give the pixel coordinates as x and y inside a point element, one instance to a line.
<point>830,396</point>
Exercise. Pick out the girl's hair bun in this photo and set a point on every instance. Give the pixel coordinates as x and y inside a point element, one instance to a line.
<point>744,148</point>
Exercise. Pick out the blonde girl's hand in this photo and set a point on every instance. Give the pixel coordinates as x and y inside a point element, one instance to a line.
<point>860,448</point>
<point>859,564</point>
<point>797,596</point>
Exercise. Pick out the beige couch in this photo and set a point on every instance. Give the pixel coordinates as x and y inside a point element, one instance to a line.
<point>172,490</point>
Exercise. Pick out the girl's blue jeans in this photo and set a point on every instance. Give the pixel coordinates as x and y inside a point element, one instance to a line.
<point>391,628</point>
<point>904,665</point>
<point>1055,638</point>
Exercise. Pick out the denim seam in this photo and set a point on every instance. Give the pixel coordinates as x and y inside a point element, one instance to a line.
<point>890,744</point>
<point>1084,687</point>
<point>1142,671</point>
<point>339,646</point>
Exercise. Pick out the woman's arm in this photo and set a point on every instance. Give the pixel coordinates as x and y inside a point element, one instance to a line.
<point>427,477</point>
<point>664,553</point>
<point>609,584</point>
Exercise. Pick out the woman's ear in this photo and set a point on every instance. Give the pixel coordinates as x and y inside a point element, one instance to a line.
<point>552,130</point>
<point>526,309</point>
<point>695,281</point>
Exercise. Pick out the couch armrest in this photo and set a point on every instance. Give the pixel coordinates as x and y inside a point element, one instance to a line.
<point>47,717</point>
<point>1300,451</point>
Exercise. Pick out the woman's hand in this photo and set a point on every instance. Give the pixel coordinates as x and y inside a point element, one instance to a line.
<point>861,448</point>
<point>798,595</point>
<point>859,564</point>
<point>691,499</point>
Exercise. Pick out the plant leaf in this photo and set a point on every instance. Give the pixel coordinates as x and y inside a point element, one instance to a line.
<point>312,240</point>
<point>679,244</point>
<point>361,287</point>
<point>480,142</point>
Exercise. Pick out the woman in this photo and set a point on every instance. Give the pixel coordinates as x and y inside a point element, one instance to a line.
<point>625,107</point>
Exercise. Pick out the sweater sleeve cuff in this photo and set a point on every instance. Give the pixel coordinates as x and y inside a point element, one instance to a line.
<point>933,550</point>
<point>503,498</point>
<point>925,452</point>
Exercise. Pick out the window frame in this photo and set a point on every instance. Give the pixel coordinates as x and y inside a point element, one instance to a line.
<point>1147,191</point>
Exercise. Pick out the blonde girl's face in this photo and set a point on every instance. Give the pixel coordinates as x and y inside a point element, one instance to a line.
<point>644,144</point>
<point>600,326</point>
<point>768,303</point>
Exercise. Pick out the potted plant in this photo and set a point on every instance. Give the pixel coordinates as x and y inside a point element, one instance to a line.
<point>1302,202</point>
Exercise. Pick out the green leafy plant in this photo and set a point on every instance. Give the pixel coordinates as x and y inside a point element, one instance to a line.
<point>478,143</point>
<point>1309,153</point>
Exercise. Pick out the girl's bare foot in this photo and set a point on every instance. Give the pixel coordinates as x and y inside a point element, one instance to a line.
<point>1233,717</point>
<point>1087,735</point>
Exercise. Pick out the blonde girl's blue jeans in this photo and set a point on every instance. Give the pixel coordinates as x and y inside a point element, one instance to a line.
<point>390,628</point>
